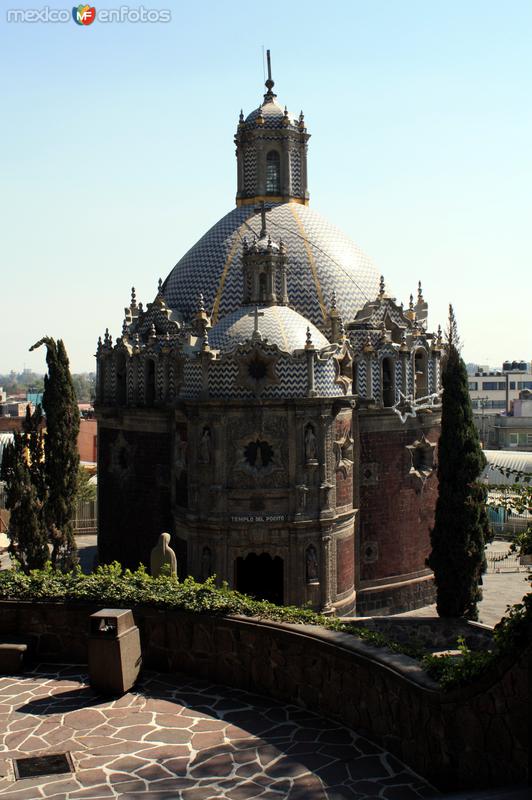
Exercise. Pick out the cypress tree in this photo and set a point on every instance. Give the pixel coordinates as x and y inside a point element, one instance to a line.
<point>461,527</point>
<point>22,470</point>
<point>61,458</point>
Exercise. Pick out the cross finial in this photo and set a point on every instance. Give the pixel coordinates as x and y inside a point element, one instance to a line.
<point>256,314</point>
<point>262,210</point>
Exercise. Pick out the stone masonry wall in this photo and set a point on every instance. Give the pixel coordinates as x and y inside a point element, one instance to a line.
<point>470,738</point>
<point>396,506</point>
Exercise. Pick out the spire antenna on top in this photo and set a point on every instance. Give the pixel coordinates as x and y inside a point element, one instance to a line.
<point>269,83</point>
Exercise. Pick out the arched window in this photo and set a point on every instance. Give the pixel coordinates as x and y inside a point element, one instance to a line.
<point>388,383</point>
<point>121,380</point>
<point>273,173</point>
<point>262,287</point>
<point>420,373</point>
<point>149,377</point>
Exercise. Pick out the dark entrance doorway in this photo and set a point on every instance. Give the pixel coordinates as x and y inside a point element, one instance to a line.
<point>260,576</point>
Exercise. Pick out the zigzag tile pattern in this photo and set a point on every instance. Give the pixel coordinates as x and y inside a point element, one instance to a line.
<point>321,259</point>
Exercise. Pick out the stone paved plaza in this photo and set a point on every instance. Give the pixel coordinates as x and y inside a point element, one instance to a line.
<point>174,738</point>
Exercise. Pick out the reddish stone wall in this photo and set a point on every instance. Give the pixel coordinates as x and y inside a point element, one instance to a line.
<point>473,737</point>
<point>345,554</point>
<point>133,494</point>
<point>87,439</point>
<point>396,507</point>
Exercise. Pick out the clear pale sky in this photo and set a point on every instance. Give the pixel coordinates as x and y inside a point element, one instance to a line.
<point>118,155</point>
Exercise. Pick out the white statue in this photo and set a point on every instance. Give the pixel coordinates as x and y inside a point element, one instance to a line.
<point>162,555</point>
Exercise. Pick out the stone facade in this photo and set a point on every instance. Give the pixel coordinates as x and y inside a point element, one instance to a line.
<point>283,426</point>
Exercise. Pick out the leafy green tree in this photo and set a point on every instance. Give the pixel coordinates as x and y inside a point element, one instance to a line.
<point>22,470</point>
<point>461,527</point>
<point>61,458</point>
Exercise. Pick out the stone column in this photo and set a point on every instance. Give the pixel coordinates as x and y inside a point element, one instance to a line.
<point>326,573</point>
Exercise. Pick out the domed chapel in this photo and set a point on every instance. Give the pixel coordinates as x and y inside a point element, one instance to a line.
<point>274,408</point>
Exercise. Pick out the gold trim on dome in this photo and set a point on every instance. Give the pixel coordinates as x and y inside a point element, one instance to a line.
<point>270,198</point>
<point>234,247</point>
<point>311,261</point>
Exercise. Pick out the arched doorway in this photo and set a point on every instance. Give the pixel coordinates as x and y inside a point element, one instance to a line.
<point>260,576</point>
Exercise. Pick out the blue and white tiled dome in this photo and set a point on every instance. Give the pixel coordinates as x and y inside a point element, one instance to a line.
<point>279,325</point>
<point>273,115</point>
<point>321,259</point>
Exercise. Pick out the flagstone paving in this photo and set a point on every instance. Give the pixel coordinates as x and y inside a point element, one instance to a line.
<point>174,738</point>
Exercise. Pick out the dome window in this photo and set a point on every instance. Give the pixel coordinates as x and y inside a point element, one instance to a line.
<point>273,173</point>
<point>388,383</point>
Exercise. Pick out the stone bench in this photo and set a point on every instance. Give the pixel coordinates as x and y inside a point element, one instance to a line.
<point>12,657</point>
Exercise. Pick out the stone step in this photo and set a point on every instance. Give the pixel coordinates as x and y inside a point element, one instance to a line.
<point>12,657</point>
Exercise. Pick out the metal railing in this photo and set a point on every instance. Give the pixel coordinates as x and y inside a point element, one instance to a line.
<point>85,518</point>
<point>504,562</point>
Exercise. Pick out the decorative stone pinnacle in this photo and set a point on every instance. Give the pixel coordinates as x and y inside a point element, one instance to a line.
<point>333,300</point>
<point>201,303</point>
<point>241,117</point>
<point>160,285</point>
<point>106,337</point>
<point>368,347</point>
<point>153,333</point>
<point>419,292</point>
<point>342,328</point>
<point>301,122</point>
<point>205,344</point>
<point>411,303</point>
<point>141,308</point>
<point>124,329</point>
<point>404,346</point>
<point>381,286</point>
<point>133,303</point>
<point>308,343</point>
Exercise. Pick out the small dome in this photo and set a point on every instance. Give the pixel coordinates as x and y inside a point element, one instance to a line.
<point>273,115</point>
<point>279,325</point>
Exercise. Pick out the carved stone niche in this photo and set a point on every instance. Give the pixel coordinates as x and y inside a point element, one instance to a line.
<point>422,463</point>
<point>310,445</point>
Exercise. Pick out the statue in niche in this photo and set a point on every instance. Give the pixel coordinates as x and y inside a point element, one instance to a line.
<point>163,560</point>
<point>205,446</point>
<point>311,449</point>
<point>206,563</point>
<point>312,564</point>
